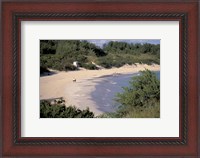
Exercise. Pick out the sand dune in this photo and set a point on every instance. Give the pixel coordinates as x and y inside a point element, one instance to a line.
<point>60,84</point>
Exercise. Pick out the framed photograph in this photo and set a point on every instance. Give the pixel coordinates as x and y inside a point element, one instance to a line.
<point>100,79</point>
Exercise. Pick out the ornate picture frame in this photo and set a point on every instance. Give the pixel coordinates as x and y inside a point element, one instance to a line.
<point>185,145</point>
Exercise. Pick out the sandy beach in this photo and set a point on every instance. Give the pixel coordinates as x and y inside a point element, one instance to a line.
<point>60,84</point>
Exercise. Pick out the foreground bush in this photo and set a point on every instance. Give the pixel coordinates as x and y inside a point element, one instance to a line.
<point>59,110</point>
<point>142,90</point>
<point>141,98</point>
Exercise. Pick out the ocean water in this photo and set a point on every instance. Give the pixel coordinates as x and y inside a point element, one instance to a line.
<point>106,89</point>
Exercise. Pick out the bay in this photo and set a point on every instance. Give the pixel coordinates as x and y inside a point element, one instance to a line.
<point>106,89</point>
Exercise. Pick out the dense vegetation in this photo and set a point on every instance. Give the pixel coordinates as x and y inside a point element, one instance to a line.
<point>59,110</point>
<point>60,54</point>
<point>141,99</point>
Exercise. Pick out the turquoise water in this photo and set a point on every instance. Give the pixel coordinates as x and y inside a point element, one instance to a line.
<point>107,88</point>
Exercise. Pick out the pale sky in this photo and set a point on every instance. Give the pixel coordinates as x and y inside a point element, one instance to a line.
<point>101,42</point>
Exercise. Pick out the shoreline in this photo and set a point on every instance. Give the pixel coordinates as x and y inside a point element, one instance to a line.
<point>60,84</point>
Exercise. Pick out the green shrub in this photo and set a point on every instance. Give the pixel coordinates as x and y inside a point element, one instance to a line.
<point>106,61</point>
<point>48,46</point>
<point>69,67</point>
<point>152,111</point>
<point>141,98</point>
<point>90,66</point>
<point>59,110</point>
<point>81,58</point>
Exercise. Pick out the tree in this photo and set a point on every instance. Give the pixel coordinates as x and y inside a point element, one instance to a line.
<point>143,93</point>
<point>48,46</point>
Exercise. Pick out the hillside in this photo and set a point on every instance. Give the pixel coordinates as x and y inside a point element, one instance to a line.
<point>60,54</point>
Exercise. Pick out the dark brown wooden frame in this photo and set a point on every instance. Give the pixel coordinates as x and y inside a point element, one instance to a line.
<point>185,12</point>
